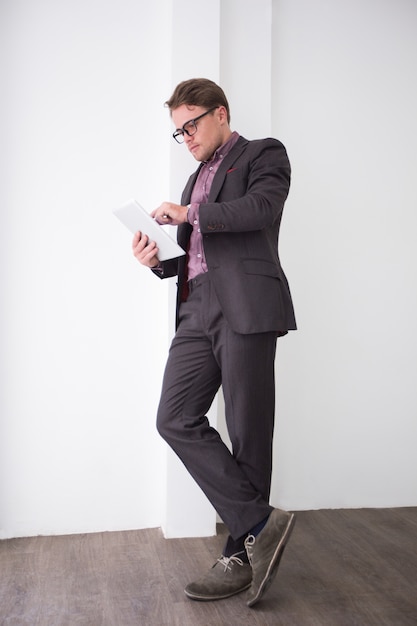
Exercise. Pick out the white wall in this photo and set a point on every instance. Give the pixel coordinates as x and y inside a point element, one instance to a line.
<point>345,102</point>
<point>85,330</point>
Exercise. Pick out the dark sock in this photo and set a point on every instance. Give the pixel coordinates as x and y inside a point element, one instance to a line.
<point>257,529</point>
<point>237,547</point>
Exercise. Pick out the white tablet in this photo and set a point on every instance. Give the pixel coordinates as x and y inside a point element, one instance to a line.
<point>135,218</point>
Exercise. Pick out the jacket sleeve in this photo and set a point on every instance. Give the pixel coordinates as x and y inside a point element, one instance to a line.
<point>256,188</point>
<point>166,269</point>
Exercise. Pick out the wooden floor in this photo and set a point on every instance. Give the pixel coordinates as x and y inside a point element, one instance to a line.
<point>341,568</point>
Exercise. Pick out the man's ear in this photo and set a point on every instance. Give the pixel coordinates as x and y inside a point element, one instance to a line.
<point>222,113</point>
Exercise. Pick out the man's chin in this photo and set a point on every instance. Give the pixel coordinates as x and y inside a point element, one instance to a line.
<point>194,152</point>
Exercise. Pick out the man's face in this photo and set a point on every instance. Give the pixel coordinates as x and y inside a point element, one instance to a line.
<point>212,129</point>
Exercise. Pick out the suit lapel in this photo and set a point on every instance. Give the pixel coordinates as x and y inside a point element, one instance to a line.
<point>226,164</point>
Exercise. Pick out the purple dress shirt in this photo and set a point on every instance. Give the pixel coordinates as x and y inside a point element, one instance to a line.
<point>196,260</point>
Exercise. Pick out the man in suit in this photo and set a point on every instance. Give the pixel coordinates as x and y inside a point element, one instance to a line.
<point>233,302</point>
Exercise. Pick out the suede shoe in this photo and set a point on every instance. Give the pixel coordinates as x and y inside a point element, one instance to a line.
<point>229,575</point>
<point>265,551</point>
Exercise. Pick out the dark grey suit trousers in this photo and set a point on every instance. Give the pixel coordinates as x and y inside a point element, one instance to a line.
<point>205,353</point>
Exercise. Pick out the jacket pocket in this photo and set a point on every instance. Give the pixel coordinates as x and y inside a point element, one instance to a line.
<point>261,267</point>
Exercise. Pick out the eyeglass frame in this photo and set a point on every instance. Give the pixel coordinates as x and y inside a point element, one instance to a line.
<point>179,132</point>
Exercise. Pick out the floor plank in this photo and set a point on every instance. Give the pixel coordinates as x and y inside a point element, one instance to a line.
<point>341,568</point>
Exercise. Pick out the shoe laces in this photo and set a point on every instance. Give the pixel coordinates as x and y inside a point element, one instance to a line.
<point>229,561</point>
<point>249,543</point>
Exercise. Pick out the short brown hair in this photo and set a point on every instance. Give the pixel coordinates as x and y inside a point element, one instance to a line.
<point>198,92</point>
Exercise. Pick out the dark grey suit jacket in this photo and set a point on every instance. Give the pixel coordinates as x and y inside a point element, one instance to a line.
<point>240,226</point>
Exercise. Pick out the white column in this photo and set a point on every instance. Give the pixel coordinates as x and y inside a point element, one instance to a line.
<point>246,77</point>
<point>215,41</point>
<point>195,53</point>
<point>245,64</point>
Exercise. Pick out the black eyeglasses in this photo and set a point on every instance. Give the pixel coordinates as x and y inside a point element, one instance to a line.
<point>190,127</point>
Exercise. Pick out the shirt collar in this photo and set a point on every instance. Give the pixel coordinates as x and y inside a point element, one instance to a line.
<point>223,150</point>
